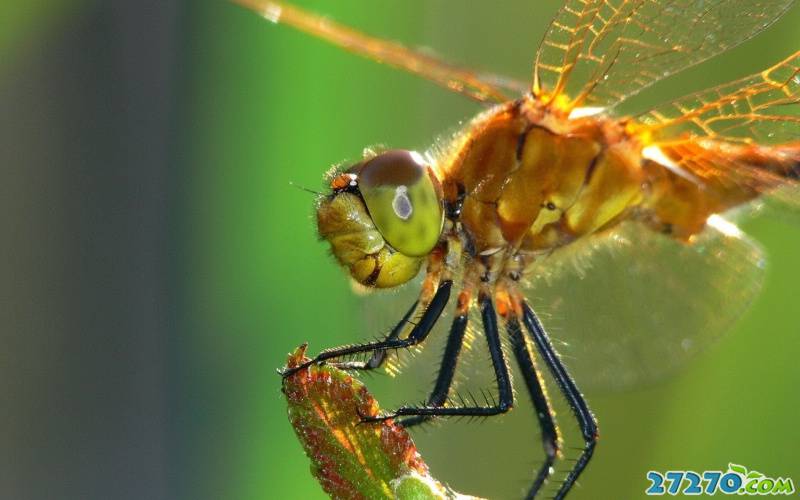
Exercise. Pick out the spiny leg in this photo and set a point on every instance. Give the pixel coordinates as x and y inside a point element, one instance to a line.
<point>586,420</point>
<point>452,350</point>
<point>541,404</point>
<point>505,394</point>
<point>430,288</point>
<point>378,357</point>
<point>417,335</point>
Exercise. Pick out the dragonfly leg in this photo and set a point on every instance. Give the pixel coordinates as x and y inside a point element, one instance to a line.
<point>506,397</point>
<point>584,416</point>
<point>378,357</point>
<point>417,335</point>
<point>551,439</point>
<point>444,380</point>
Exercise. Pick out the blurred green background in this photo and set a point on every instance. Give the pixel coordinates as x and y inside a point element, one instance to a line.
<point>157,266</point>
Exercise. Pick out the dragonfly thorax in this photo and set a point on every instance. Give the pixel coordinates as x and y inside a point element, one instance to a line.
<point>529,182</point>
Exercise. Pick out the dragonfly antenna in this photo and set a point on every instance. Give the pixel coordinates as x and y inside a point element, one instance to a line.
<point>303,188</point>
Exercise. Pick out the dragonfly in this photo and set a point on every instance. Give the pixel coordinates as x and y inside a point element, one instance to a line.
<point>551,188</point>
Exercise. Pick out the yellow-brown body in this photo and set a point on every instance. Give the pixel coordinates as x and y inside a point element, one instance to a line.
<point>529,181</point>
<point>523,179</point>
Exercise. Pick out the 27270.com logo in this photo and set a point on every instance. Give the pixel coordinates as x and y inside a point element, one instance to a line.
<point>737,480</point>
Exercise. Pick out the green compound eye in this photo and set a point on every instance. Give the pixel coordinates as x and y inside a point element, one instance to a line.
<point>402,201</point>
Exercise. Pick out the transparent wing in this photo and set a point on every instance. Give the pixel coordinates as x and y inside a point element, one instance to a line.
<point>600,52</point>
<point>631,306</point>
<point>763,108</point>
<point>480,87</point>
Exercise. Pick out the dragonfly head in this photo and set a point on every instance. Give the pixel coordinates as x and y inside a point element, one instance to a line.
<point>383,217</point>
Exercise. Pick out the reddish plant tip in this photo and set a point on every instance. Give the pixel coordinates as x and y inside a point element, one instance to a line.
<point>349,458</point>
<point>298,356</point>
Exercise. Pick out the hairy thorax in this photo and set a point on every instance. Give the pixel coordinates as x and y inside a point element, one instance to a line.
<point>526,181</point>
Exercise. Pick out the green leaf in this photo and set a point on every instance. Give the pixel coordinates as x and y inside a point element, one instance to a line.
<point>351,459</point>
<point>413,486</point>
<point>754,474</point>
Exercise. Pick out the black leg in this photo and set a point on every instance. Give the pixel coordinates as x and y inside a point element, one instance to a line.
<point>505,394</point>
<point>378,357</point>
<point>417,335</point>
<point>447,370</point>
<point>586,420</point>
<point>541,404</point>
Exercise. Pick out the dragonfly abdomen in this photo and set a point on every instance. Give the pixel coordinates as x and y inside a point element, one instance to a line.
<point>706,177</point>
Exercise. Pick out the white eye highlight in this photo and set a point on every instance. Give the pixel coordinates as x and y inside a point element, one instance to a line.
<point>401,203</point>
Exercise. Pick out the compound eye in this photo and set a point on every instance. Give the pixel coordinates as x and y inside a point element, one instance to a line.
<point>402,201</point>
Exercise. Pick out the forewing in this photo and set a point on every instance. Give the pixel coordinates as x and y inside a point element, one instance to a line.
<point>481,87</point>
<point>631,306</point>
<point>600,52</point>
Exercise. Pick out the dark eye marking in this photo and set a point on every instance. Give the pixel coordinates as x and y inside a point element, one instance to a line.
<point>401,203</point>
<point>392,168</point>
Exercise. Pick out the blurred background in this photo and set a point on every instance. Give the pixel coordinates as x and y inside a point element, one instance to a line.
<point>156,265</point>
